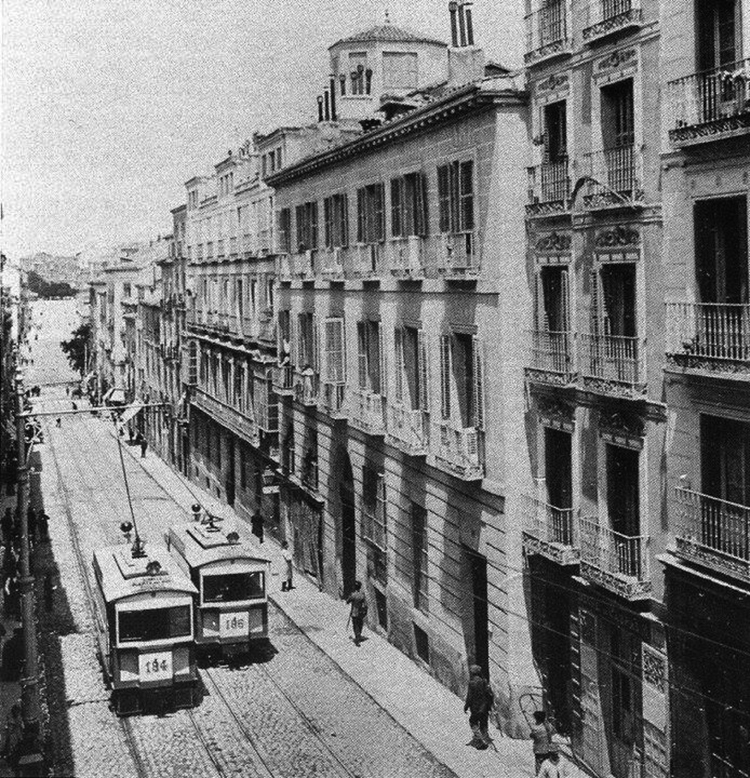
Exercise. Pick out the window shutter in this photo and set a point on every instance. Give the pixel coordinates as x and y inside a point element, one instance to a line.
<point>545,135</point>
<point>444,201</point>
<point>361,215</point>
<point>396,225</point>
<point>315,343</point>
<point>295,345</point>
<point>313,209</point>
<point>339,366</point>
<point>299,213</point>
<point>362,353</point>
<point>383,388</point>
<point>380,528</point>
<point>344,220</point>
<point>455,197</point>
<point>466,184</point>
<point>565,295</point>
<point>328,222</point>
<point>422,226</point>
<point>424,372</point>
<point>380,212</point>
<point>398,350</point>
<point>445,375</point>
<point>478,375</point>
<point>596,303</point>
<point>539,309</point>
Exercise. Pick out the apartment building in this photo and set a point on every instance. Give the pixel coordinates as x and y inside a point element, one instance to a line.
<point>400,287</point>
<point>594,523</point>
<point>706,178</point>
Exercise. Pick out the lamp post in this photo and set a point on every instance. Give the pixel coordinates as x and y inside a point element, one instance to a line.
<point>32,760</point>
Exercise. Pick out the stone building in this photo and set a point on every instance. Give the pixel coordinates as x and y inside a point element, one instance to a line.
<point>705,78</point>
<point>596,422</point>
<point>400,286</point>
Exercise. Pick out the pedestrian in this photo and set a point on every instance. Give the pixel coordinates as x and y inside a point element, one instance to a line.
<point>58,422</point>
<point>43,527</point>
<point>358,611</point>
<point>131,435</point>
<point>144,446</point>
<point>12,599</point>
<point>553,766</point>
<point>6,524</point>
<point>67,390</point>
<point>256,524</point>
<point>479,701</point>
<point>286,584</point>
<point>75,406</point>
<point>541,737</point>
<point>49,592</point>
<point>13,737</point>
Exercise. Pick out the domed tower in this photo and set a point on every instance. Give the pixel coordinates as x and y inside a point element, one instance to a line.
<point>382,60</point>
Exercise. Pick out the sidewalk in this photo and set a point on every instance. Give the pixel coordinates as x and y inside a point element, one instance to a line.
<point>426,709</point>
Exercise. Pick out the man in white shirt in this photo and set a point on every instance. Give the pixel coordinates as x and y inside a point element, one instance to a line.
<point>553,766</point>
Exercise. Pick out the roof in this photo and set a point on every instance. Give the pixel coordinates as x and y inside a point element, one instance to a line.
<point>201,544</point>
<point>120,576</point>
<point>388,33</point>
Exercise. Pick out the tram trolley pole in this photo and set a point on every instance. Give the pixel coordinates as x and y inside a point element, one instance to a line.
<point>31,762</point>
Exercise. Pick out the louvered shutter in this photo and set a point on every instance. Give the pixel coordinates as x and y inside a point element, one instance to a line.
<point>445,375</point>
<point>596,303</point>
<point>380,529</point>
<point>325,351</point>
<point>328,210</point>
<point>424,372</point>
<point>396,225</point>
<point>362,354</point>
<point>313,225</point>
<point>361,215</point>
<point>422,206</point>
<point>565,295</point>
<point>345,220</point>
<point>455,196</point>
<point>315,360</point>
<point>544,135</point>
<point>295,346</point>
<point>380,212</point>
<point>398,350</point>
<point>478,376</point>
<point>443,179</point>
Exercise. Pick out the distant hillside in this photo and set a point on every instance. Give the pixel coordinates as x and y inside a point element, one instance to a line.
<point>54,269</point>
<point>35,283</point>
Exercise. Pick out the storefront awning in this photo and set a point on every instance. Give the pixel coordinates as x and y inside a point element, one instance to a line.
<point>130,412</point>
<point>115,396</point>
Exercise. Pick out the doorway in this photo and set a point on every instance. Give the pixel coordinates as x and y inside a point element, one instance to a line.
<point>477,568</point>
<point>348,525</point>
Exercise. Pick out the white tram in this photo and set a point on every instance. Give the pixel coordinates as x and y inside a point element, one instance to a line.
<point>223,560</point>
<point>148,648</point>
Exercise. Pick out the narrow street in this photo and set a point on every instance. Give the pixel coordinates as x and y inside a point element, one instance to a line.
<point>295,714</point>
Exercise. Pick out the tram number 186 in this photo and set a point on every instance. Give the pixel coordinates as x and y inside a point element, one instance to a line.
<point>233,624</point>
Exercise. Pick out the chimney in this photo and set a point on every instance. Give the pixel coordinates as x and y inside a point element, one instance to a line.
<point>465,60</point>
<point>332,82</point>
<point>452,9</point>
<point>320,108</point>
<point>469,23</point>
<point>327,105</point>
<point>342,81</point>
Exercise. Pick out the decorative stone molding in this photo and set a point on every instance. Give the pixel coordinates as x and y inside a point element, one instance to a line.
<point>555,552</point>
<point>556,82</point>
<point>621,429</point>
<point>553,242</point>
<point>616,237</point>
<point>555,413</point>
<point>616,60</point>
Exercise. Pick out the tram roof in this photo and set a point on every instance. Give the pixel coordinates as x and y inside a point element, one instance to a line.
<point>122,576</point>
<point>201,544</point>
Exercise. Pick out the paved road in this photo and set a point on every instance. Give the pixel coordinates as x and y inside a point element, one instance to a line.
<point>295,715</point>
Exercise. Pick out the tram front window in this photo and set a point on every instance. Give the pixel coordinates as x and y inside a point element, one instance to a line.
<point>234,587</point>
<point>154,624</point>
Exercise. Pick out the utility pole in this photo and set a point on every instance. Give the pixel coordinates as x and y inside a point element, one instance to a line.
<point>31,761</point>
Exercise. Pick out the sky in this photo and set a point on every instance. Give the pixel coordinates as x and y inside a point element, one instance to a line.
<point>109,106</point>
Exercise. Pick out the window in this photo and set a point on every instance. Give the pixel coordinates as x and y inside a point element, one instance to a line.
<point>371,214</point>
<point>154,624</point>
<point>333,367</point>
<point>284,333</point>
<point>719,36</point>
<point>554,124</point>
<point>370,357</point>
<point>126,290</point>
<point>613,304</point>
<point>422,644</point>
<point>409,205</point>
<point>623,498</point>
<point>552,300</point>
<point>618,126</point>
<point>336,221</point>
<point>307,341</point>
<point>461,380</point>
<point>456,196</point>
<point>285,230</point>
<point>399,70</point>
<point>233,587</point>
<point>374,519</point>
<point>419,555</point>
<point>278,158</point>
<point>411,374</point>
<point>307,226</point>
<point>358,73</point>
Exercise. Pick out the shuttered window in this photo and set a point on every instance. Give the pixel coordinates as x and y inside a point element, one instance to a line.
<point>409,205</point>
<point>456,197</point>
<point>462,380</point>
<point>306,216</point>
<point>285,230</point>
<point>374,515</point>
<point>333,367</point>
<point>371,214</point>
<point>370,369</point>
<point>336,221</point>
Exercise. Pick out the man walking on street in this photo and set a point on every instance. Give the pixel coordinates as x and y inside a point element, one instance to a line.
<point>358,612</point>
<point>144,446</point>
<point>553,766</point>
<point>541,738</point>
<point>479,701</point>
<point>286,584</point>
<point>256,525</point>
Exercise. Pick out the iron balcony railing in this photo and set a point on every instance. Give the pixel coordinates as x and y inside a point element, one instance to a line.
<point>719,98</point>
<point>458,255</point>
<point>549,183</point>
<point>714,532</point>
<point>366,260</point>
<point>617,359</point>
<point>305,386</point>
<point>240,422</point>
<point>554,531</point>
<point>282,379</point>
<point>709,331</point>
<point>332,398</point>
<point>332,264</point>
<point>304,264</point>
<point>285,267</point>
<point>407,429</point>
<point>406,257</point>
<point>614,553</point>
<point>609,16</point>
<point>365,410</point>
<point>615,174</point>
<point>459,451</point>
<point>547,32</point>
<point>553,352</point>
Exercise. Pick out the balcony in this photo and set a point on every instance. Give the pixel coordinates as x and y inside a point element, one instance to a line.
<point>407,429</point>
<point>547,34</point>
<point>365,411</point>
<point>712,337</point>
<point>613,365</point>
<point>616,178</point>
<point>549,189</point>
<point>332,264</point>
<point>552,360</point>
<point>282,380</point>
<point>458,451</point>
<point>332,399</point>
<point>266,328</point>
<point>305,386</point>
<point>714,533</point>
<point>366,260</point>
<point>285,267</point>
<point>607,17</point>
<point>458,256</point>
<point>615,561</point>
<point>711,105</point>
<point>406,258</point>
<point>550,532</point>
<point>303,265</point>
<point>238,422</point>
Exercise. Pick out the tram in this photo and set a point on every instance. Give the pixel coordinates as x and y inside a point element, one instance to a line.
<point>222,559</point>
<point>147,647</point>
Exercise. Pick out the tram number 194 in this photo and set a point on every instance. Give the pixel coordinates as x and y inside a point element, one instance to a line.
<point>154,667</point>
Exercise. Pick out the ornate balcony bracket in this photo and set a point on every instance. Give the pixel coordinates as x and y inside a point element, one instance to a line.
<point>690,549</point>
<point>633,17</point>
<point>559,48</point>
<point>614,388</point>
<point>555,552</point>
<point>550,377</point>
<point>630,589</point>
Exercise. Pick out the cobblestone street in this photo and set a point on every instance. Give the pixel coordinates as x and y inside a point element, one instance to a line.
<point>295,715</point>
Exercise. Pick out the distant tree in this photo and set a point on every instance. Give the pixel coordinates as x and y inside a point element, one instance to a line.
<point>76,349</point>
<point>35,283</point>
